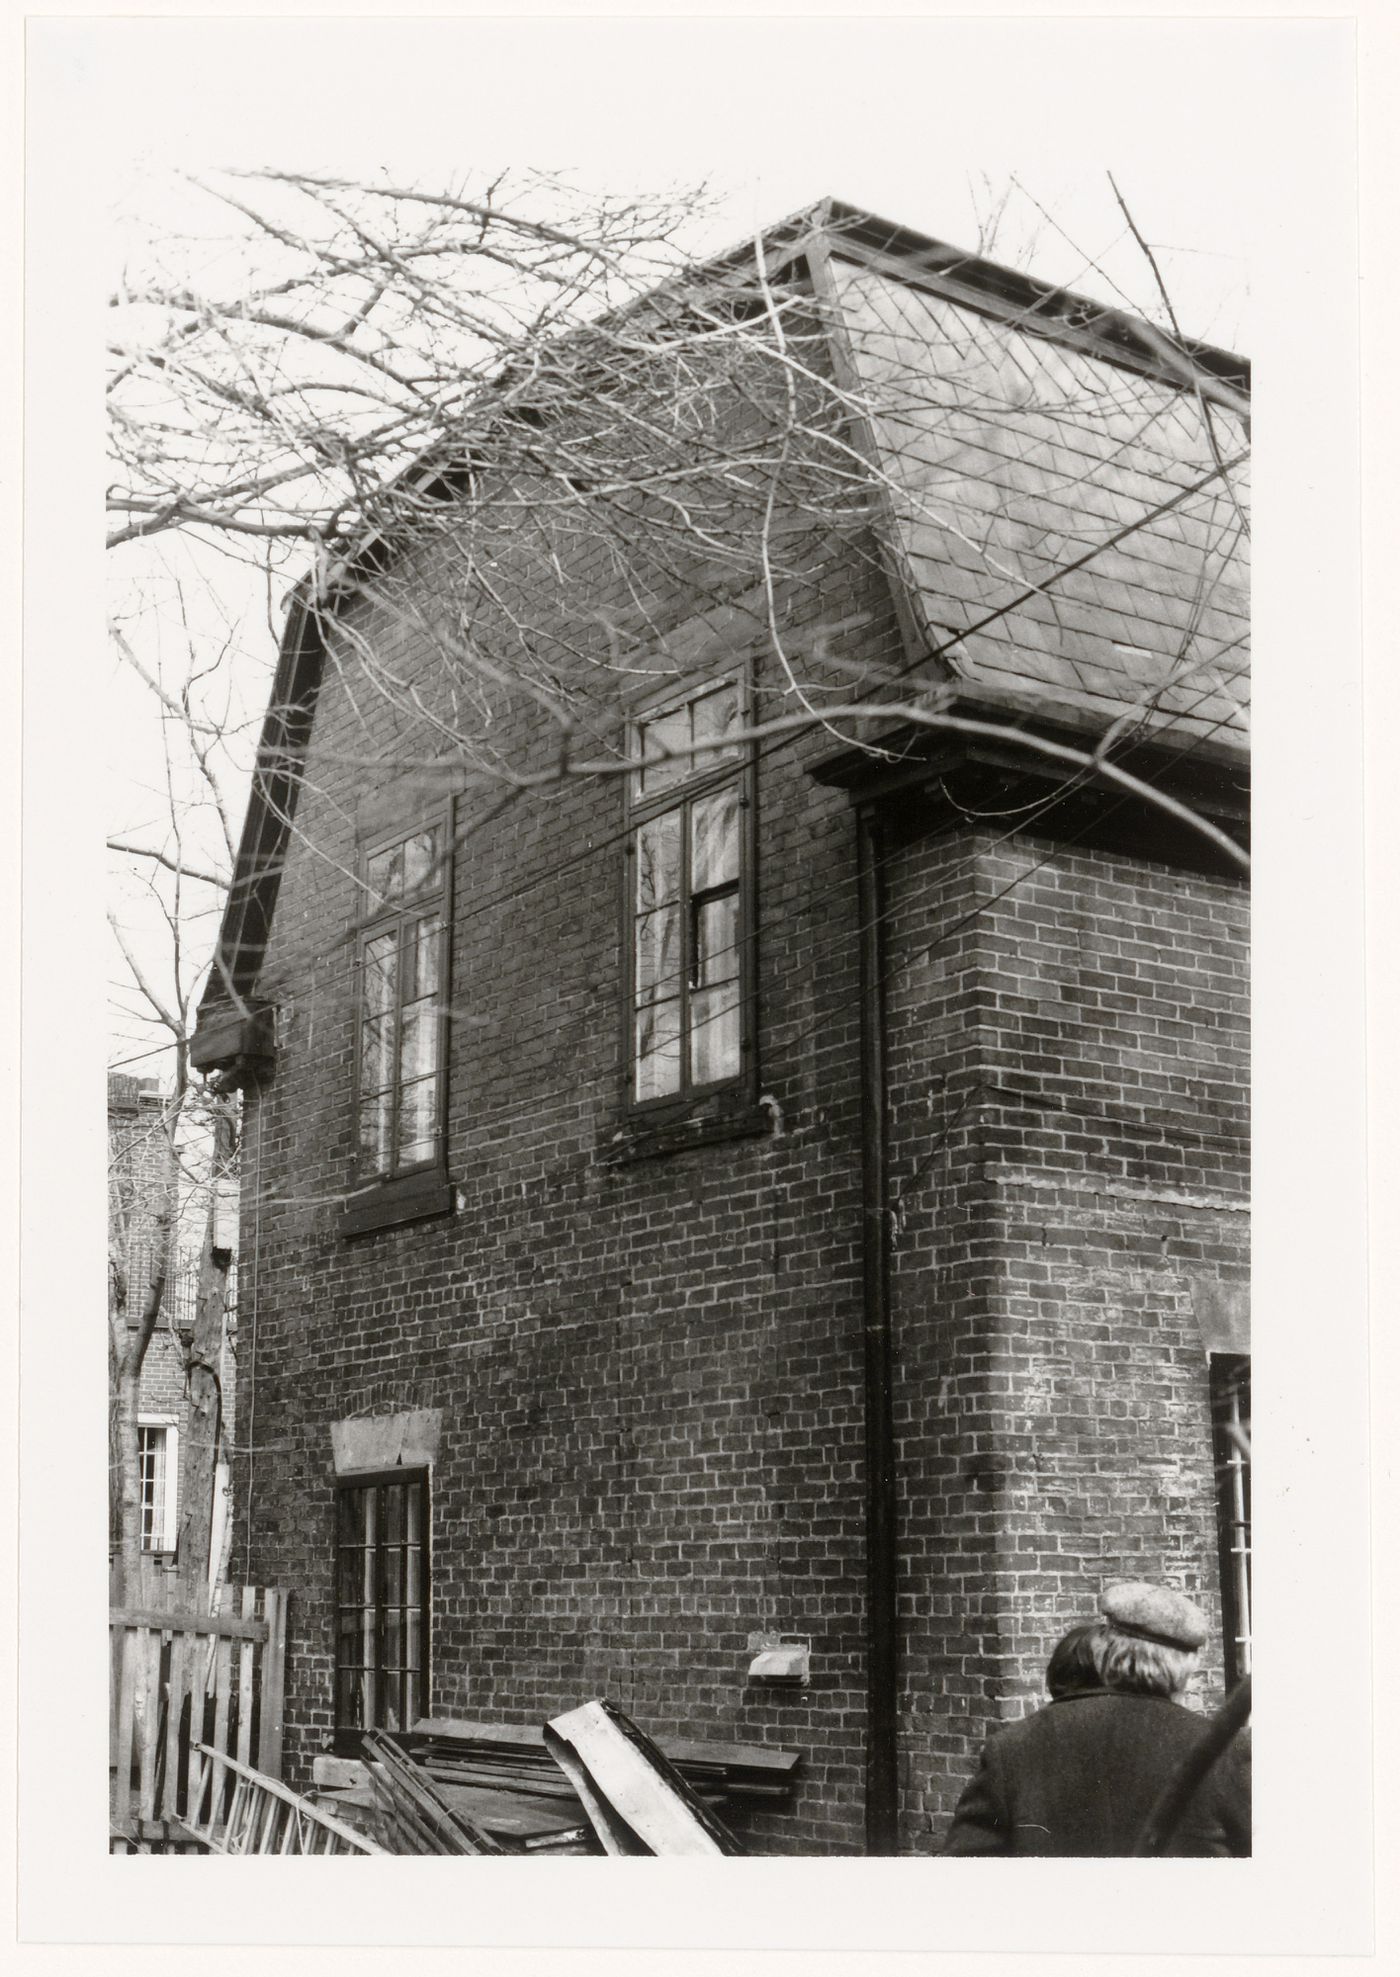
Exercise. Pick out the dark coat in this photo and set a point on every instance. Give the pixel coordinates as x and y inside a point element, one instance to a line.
<point>1080,1777</point>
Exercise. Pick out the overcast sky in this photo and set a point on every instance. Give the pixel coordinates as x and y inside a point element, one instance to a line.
<point>930,124</point>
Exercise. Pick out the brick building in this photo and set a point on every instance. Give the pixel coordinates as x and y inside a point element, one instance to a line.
<point>141,1178</point>
<point>795,1188</point>
<point>146,1179</point>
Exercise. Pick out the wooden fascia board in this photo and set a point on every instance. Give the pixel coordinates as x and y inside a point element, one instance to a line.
<point>907,756</point>
<point>1038,307</point>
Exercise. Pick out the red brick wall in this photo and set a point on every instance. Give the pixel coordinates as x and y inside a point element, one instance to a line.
<point>1070,1080</point>
<point>649,1374</point>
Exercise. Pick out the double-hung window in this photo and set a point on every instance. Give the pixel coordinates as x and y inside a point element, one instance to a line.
<point>159,1445</point>
<point>690,899</point>
<point>381,1562</point>
<point>402,1002</point>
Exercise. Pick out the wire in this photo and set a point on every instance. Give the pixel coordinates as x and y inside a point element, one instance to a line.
<point>838,941</point>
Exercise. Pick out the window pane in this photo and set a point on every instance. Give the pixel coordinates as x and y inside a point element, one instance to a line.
<point>401,868</point>
<point>716,717</point>
<point>384,876</point>
<point>350,1506</point>
<point>420,861</point>
<point>348,1638</point>
<point>422,951</point>
<point>418,1135</point>
<point>715,956</point>
<point>377,1132</point>
<point>659,861</point>
<point>659,954</point>
<point>418,1041</point>
<point>714,840</point>
<point>381,972</point>
<point>376,1062</point>
<point>393,1648</point>
<point>350,1575</point>
<point>349,1709</point>
<point>669,732</point>
<point>714,1034</point>
<point>658,1064</point>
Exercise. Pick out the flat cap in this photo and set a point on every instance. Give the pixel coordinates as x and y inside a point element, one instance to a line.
<point>1154,1613</point>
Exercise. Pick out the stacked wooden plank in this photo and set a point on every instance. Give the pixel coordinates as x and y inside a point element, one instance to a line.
<point>513,1757</point>
<point>415,1816</point>
<point>638,1803</point>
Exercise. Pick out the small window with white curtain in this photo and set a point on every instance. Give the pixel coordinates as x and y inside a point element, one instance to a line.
<point>690,908</point>
<point>159,1444</point>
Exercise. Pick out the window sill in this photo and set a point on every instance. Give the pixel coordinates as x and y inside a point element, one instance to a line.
<point>652,1135</point>
<point>413,1198</point>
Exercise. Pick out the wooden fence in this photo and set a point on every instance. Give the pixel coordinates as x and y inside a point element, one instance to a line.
<point>188,1679</point>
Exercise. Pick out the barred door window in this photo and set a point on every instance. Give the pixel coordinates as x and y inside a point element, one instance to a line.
<point>402,1003</point>
<point>690,901</point>
<point>381,1675</point>
<point>1230,1409</point>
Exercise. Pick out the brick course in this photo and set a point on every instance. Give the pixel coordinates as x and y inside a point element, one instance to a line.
<point>650,1369</point>
<point>650,1375</point>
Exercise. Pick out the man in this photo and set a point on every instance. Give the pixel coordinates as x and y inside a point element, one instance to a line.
<point>1080,1777</point>
<point>1073,1668</point>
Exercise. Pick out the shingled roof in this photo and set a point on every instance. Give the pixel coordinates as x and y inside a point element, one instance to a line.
<point>1067,520</point>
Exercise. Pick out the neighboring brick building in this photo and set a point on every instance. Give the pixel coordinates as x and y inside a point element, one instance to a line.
<point>141,1180</point>
<point>834,1229</point>
<point>144,1179</point>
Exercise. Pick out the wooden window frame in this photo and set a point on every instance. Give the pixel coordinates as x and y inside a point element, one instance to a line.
<point>411,1190</point>
<point>640,809</point>
<point>1230,1412</point>
<point>163,1521</point>
<point>347,1735</point>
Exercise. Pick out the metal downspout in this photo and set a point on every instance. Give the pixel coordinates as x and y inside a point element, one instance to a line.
<point>882,1719</point>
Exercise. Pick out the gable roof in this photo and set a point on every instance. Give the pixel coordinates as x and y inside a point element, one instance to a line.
<point>1061,487</point>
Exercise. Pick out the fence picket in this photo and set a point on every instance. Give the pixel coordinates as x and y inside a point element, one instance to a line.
<point>245,1683</point>
<point>164,1666</point>
<point>273,1683</point>
<point>122,1751</point>
<point>174,1711</point>
<point>148,1691</point>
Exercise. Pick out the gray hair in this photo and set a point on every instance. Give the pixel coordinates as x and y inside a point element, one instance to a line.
<point>1137,1667</point>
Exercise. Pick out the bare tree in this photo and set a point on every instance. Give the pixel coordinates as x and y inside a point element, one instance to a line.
<point>500,421</point>
<point>518,387</point>
<point>170,881</point>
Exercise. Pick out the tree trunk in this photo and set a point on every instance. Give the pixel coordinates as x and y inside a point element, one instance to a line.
<point>203,1425</point>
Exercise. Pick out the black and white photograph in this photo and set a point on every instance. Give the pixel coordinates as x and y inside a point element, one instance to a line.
<point>665,750</point>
